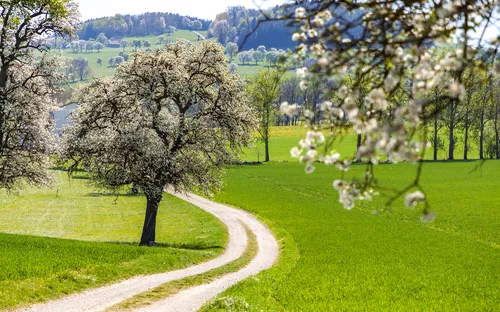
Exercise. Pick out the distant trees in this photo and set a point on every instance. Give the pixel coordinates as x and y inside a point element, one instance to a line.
<point>262,49</point>
<point>290,92</point>
<point>220,31</point>
<point>258,56</point>
<point>233,68</point>
<point>89,46</point>
<point>272,57</point>
<point>167,130</point>
<point>118,60</point>
<point>28,87</point>
<point>137,44</point>
<point>187,23</point>
<point>77,46</point>
<point>160,25</point>
<point>237,22</point>
<point>98,46</point>
<point>125,56</point>
<point>197,25</point>
<point>123,44</point>
<point>102,39</point>
<point>231,50</point>
<point>245,57</point>
<point>171,30</point>
<point>80,68</point>
<point>147,43</point>
<point>82,44</point>
<point>147,24</point>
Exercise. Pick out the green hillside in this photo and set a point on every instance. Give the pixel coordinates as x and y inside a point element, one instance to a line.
<point>56,241</point>
<point>106,53</point>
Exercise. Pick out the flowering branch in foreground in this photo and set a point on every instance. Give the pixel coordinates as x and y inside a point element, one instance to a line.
<point>400,45</point>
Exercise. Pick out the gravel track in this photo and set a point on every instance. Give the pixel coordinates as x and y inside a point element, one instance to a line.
<point>190,299</point>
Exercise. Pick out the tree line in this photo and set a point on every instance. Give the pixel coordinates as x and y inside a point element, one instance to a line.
<point>146,24</point>
<point>472,123</point>
<point>236,22</point>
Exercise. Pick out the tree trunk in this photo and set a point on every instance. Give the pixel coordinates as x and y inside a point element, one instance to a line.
<point>497,139</point>
<point>466,138</point>
<point>154,195</point>
<point>481,136</point>
<point>435,138</point>
<point>267,149</point>
<point>451,148</point>
<point>358,144</point>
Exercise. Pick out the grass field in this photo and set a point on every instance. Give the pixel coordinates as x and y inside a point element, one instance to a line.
<point>338,260</point>
<point>100,240</point>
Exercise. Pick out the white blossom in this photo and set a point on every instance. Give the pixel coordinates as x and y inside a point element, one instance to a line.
<point>456,90</point>
<point>377,98</point>
<point>412,199</point>
<point>343,91</point>
<point>300,13</point>
<point>301,72</point>
<point>428,217</point>
<point>310,168</point>
<point>331,159</point>
<point>295,152</point>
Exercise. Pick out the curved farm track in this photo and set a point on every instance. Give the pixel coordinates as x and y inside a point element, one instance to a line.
<point>193,298</point>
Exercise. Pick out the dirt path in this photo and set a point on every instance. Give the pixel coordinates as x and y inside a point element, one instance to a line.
<point>192,298</point>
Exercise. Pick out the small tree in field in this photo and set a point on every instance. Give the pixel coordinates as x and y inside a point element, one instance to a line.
<point>171,117</point>
<point>102,39</point>
<point>81,68</point>
<point>118,60</point>
<point>98,46</point>
<point>263,90</point>
<point>124,44</point>
<point>232,50</point>
<point>137,44</point>
<point>28,86</point>
<point>171,30</point>
<point>197,25</point>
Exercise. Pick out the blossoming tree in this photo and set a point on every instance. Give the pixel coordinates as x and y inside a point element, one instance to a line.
<point>394,39</point>
<point>172,117</point>
<point>27,86</point>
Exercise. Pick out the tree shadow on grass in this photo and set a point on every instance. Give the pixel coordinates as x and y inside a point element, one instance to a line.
<point>185,246</point>
<point>98,194</point>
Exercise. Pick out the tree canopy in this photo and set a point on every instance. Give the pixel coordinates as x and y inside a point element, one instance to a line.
<point>170,117</point>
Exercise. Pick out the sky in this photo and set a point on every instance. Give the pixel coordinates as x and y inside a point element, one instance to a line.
<point>196,8</point>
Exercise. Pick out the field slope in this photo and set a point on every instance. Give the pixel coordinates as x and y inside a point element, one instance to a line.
<point>58,241</point>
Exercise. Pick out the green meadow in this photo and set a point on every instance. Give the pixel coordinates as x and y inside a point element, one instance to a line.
<point>338,260</point>
<point>71,237</point>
